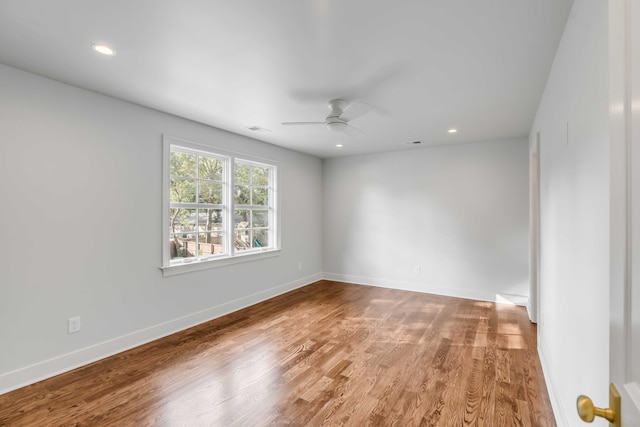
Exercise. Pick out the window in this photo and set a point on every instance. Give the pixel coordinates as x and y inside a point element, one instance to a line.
<point>219,206</point>
<point>196,225</point>
<point>251,198</point>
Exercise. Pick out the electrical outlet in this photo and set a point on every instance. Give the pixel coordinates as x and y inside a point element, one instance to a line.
<point>74,325</point>
<point>417,269</point>
<point>299,265</point>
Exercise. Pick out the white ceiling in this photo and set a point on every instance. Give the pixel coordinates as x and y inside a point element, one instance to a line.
<point>424,65</point>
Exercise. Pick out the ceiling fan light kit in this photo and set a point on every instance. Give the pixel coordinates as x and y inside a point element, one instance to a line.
<point>334,124</point>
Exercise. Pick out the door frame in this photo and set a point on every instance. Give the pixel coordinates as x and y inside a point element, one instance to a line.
<point>534,229</point>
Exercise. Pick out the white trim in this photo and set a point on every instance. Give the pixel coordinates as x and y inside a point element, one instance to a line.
<point>556,405</point>
<point>466,293</point>
<point>39,371</point>
<point>631,203</point>
<point>166,200</point>
<point>171,270</point>
<point>206,148</point>
<point>534,229</point>
<point>231,256</point>
<point>633,390</point>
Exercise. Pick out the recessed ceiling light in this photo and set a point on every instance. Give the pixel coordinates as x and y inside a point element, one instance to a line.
<point>453,131</point>
<point>103,49</point>
<point>339,145</point>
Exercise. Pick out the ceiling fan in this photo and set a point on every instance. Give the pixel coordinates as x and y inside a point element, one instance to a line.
<point>340,114</point>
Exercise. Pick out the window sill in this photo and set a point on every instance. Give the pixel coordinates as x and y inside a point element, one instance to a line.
<point>171,270</point>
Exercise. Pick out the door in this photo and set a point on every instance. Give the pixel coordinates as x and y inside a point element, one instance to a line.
<point>624,110</point>
<point>624,305</point>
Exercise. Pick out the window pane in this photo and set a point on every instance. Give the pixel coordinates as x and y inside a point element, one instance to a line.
<point>260,196</point>
<point>212,237</point>
<point>241,173</point>
<point>211,219</point>
<point>210,192</point>
<point>260,175</point>
<point>260,238</point>
<point>182,236</point>
<point>210,168</point>
<point>242,240</point>
<point>241,195</point>
<point>182,220</point>
<point>209,244</point>
<point>182,164</point>
<point>260,219</point>
<point>189,248</point>
<point>183,190</point>
<point>180,247</point>
<point>241,219</point>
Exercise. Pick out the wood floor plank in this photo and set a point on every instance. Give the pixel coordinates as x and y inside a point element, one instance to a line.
<point>329,354</point>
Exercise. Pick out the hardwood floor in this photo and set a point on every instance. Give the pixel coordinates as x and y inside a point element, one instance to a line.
<point>327,354</point>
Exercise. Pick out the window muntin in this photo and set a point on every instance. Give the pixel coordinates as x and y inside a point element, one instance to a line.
<point>218,206</point>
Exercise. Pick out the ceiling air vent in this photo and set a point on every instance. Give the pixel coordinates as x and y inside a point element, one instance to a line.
<point>259,129</point>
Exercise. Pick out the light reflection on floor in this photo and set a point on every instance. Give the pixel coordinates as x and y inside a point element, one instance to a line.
<point>250,375</point>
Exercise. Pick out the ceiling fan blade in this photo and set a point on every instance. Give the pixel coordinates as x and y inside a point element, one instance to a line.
<point>355,110</point>
<point>354,131</point>
<point>380,80</point>
<point>370,87</point>
<point>302,123</point>
<point>315,96</point>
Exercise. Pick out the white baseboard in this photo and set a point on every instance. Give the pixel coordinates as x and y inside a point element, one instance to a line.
<point>533,317</point>
<point>558,411</point>
<point>475,294</point>
<point>46,369</point>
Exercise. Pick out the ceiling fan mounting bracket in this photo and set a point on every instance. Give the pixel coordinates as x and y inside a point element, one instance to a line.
<point>337,107</point>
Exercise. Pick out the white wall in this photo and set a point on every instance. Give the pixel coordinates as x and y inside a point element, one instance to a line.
<point>80,180</point>
<point>574,208</point>
<point>458,212</point>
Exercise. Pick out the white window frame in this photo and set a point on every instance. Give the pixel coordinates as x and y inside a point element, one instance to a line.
<point>231,256</point>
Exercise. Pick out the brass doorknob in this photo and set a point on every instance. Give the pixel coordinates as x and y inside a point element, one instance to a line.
<point>587,411</point>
